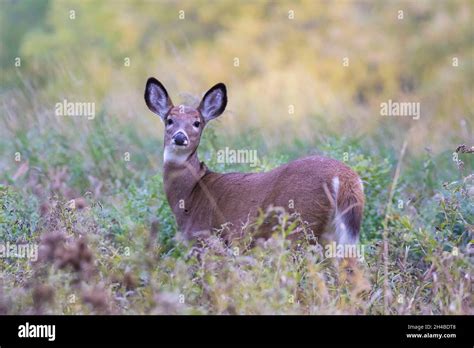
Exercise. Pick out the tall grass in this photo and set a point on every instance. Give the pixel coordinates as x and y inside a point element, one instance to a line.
<point>108,241</point>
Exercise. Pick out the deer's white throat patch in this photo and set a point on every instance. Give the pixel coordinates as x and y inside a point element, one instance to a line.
<point>174,154</point>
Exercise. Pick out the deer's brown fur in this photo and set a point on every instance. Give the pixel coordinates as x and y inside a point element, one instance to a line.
<point>211,199</point>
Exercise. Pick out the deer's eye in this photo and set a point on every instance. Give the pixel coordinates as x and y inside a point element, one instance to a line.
<point>169,122</point>
<point>197,124</point>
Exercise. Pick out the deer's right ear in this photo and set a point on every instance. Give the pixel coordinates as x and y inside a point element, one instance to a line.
<point>156,98</point>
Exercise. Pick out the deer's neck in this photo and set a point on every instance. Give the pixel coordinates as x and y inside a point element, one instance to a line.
<point>180,179</point>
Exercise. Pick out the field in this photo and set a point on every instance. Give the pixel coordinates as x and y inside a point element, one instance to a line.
<point>84,194</point>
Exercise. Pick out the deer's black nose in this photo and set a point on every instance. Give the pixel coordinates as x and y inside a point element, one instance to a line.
<point>180,139</point>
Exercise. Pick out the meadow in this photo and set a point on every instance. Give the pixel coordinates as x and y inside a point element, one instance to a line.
<point>88,191</point>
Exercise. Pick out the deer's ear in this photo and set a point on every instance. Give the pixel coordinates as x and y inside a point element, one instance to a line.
<point>214,102</point>
<point>156,98</point>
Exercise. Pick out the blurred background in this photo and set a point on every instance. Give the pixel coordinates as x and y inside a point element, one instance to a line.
<point>335,62</point>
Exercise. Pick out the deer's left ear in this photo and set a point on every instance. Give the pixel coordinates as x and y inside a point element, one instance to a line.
<point>214,102</point>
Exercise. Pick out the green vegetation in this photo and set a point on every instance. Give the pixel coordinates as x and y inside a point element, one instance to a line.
<point>89,192</point>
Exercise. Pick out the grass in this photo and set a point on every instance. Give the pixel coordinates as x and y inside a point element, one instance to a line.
<point>108,243</point>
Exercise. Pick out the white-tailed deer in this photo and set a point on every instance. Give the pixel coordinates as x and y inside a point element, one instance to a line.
<point>327,194</point>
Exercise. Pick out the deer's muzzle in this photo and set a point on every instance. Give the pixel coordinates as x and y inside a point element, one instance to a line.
<point>180,139</point>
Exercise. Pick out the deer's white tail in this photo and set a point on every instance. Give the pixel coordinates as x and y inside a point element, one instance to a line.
<point>348,203</point>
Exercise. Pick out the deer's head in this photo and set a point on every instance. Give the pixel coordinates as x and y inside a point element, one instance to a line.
<point>183,124</point>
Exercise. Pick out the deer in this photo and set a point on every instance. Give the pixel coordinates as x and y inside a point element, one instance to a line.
<point>327,194</point>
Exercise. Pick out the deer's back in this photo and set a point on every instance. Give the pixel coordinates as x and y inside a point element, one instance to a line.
<point>304,186</point>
